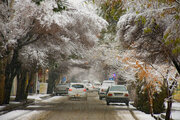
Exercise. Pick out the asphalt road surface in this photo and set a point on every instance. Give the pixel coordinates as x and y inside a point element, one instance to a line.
<point>92,109</point>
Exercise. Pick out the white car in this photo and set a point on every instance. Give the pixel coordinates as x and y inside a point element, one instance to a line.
<point>89,86</point>
<point>117,94</point>
<point>104,87</point>
<point>96,85</point>
<point>77,90</point>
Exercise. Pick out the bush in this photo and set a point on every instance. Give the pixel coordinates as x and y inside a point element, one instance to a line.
<point>142,99</point>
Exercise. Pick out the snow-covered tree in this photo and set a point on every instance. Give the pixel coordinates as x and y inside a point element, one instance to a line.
<point>35,33</point>
<point>151,28</point>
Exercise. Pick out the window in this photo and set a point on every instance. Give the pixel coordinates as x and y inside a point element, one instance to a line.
<point>118,88</point>
<point>78,86</point>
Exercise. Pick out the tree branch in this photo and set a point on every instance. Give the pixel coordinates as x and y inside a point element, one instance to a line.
<point>177,1</point>
<point>2,35</point>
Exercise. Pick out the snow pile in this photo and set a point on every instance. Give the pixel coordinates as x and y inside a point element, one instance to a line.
<point>37,97</point>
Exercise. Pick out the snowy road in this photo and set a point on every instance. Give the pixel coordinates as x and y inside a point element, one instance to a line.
<point>92,109</point>
<point>60,108</point>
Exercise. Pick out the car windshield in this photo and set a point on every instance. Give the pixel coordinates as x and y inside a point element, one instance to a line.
<point>78,86</point>
<point>118,88</point>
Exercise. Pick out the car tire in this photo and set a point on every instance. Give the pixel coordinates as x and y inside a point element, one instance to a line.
<point>100,98</point>
<point>107,102</point>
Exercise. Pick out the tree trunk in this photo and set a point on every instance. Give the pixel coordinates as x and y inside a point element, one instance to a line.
<point>10,73</point>
<point>150,102</point>
<point>22,78</point>
<point>169,102</point>
<point>2,79</point>
<point>176,64</point>
<point>168,111</point>
<point>53,76</point>
<point>28,86</point>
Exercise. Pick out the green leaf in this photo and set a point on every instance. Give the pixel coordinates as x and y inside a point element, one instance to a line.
<point>143,20</point>
<point>177,17</point>
<point>166,35</point>
<point>137,12</point>
<point>147,30</point>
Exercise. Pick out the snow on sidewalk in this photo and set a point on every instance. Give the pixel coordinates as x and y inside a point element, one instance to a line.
<point>28,114</point>
<point>175,113</point>
<point>128,115</point>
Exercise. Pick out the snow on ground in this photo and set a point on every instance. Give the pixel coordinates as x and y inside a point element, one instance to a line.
<point>175,106</point>
<point>14,114</point>
<point>32,115</point>
<point>14,102</point>
<point>175,110</point>
<point>53,99</point>
<point>143,116</point>
<point>2,107</point>
<point>176,115</point>
<point>126,114</point>
<point>37,96</point>
<point>28,114</point>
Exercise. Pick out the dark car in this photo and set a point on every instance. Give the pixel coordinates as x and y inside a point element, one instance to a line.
<point>117,94</point>
<point>61,89</point>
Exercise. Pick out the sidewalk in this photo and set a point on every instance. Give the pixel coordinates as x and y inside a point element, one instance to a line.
<point>175,112</point>
<point>13,105</point>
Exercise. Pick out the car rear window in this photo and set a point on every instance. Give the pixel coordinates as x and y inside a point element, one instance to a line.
<point>78,86</point>
<point>97,84</point>
<point>118,88</point>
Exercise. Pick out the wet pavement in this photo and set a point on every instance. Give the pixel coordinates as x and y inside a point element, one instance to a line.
<point>92,109</point>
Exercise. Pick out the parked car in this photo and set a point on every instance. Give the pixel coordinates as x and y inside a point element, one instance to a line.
<point>96,85</point>
<point>61,89</point>
<point>118,94</point>
<point>77,90</point>
<point>104,87</point>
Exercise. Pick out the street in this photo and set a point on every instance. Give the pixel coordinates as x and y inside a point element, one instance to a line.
<point>92,109</point>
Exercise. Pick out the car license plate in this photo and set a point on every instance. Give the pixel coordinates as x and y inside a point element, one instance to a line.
<point>118,94</point>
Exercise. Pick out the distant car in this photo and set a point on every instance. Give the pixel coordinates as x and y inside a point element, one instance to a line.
<point>77,90</point>
<point>61,89</point>
<point>96,85</point>
<point>104,87</point>
<point>89,86</point>
<point>118,94</point>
